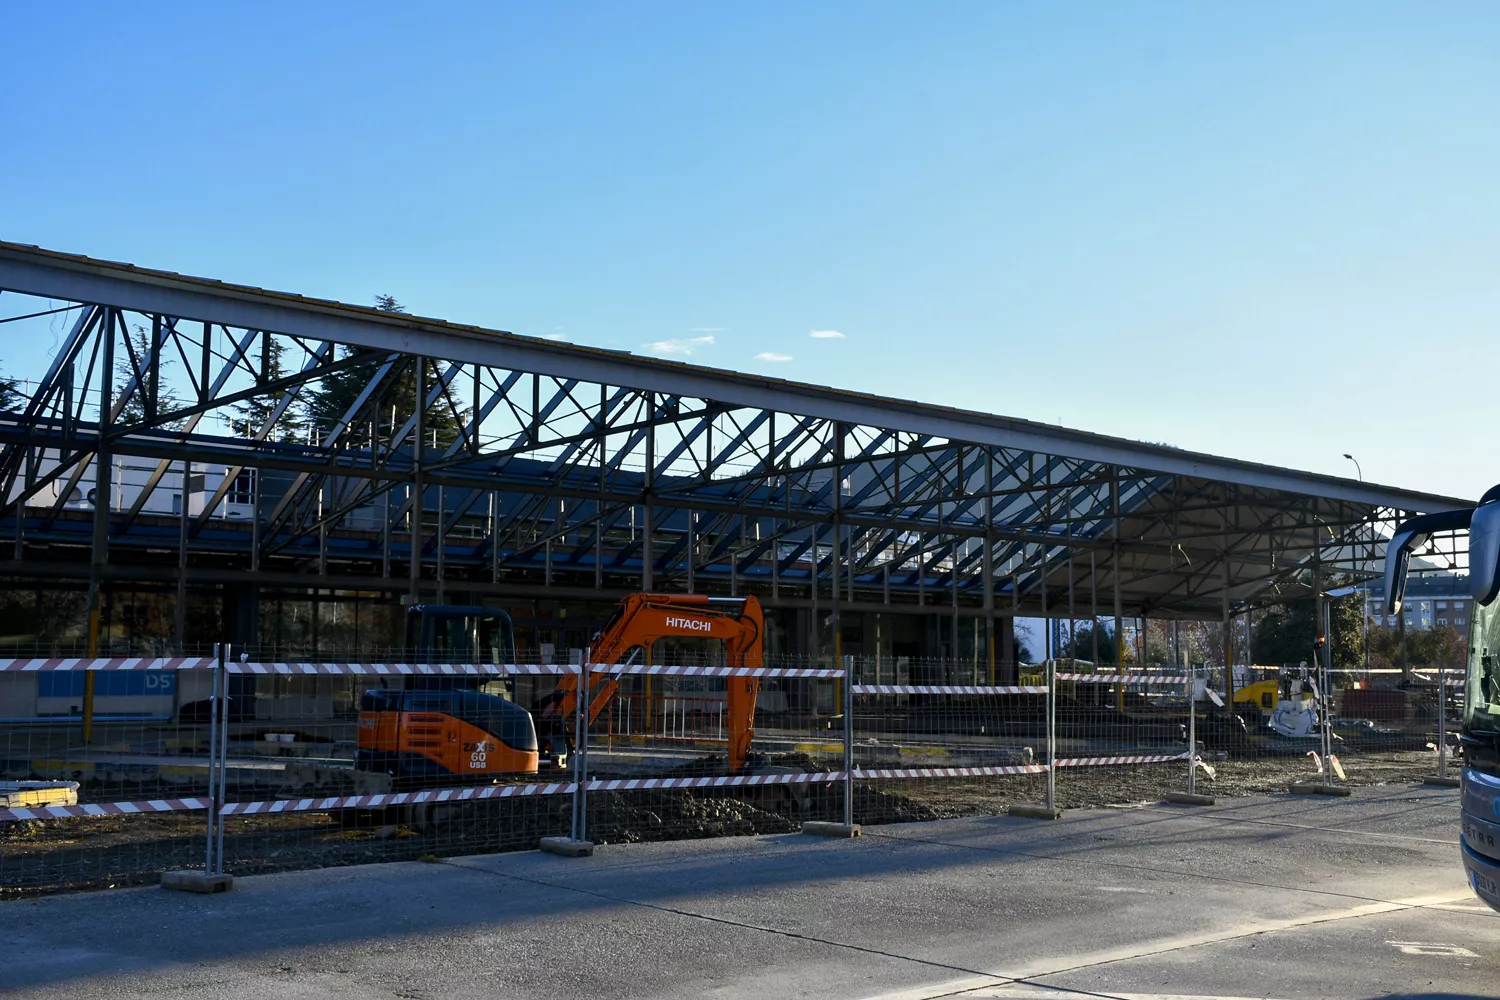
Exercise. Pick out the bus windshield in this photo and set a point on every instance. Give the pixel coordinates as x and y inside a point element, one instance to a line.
<point>1482,692</point>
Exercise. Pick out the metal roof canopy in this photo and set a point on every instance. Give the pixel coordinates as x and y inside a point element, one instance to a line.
<point>562,449</point>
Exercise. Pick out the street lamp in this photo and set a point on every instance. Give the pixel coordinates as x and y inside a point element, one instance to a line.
<point>1364,611</point>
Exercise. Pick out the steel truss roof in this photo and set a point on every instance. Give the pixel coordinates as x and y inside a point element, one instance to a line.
<point>576,470</point>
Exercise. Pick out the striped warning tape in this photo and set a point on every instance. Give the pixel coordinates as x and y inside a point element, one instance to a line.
<point>946,689</point>
<point>948,772</point>
<point>643,784</point>
<point>395,799</point>
<point>484,669</point>
<point>1141,680</point>
<point>110,663</point>
<point>663,671</point>
<point>1428,675</point>
<point>357,669</point>
<point>1150,758</point>
<point>96,809</point>
<point>269,807</point>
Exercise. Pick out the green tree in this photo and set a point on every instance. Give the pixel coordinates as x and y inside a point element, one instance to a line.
<point>11,396</point>
<point>1286,633</point>
<point>1444,646</point>
<point>252,414</point>
<point>393,404</point>
<point>1082,645</point>
<point>135,405</point>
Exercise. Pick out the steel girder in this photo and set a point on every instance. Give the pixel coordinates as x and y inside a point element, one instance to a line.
<point>362,462</point>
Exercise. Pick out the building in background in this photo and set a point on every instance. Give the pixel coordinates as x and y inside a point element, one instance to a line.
<point>1433,600</point>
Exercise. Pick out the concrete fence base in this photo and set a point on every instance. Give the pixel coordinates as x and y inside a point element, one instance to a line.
<point>822,828</point>
<point>196,882</point>
<point>567,847</point>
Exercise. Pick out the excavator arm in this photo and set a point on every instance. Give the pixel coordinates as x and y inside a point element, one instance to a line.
<point>640,621</point>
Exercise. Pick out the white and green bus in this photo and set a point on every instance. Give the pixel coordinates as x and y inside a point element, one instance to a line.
<point>1480,734</point>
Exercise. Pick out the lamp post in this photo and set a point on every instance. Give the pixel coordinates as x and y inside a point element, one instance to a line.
<point>1364,600</point>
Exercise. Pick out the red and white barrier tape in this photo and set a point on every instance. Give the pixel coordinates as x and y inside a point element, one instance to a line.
<point>664,671</point>
<point>1137,680</point>
<point>358,669</point>
<point>1150,758</point>
<point>948,772</point>
<point>109,663</point>
<point>945,689</point>
<point>1428,675</point>
<point>483,669</point>
<point>513,791</point>
<point>433,669</point>
<point>96,809</point>
<point>723,781</point>
<point>395,799</point>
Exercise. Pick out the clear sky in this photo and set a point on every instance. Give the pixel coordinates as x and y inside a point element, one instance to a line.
<point>1266,230</point>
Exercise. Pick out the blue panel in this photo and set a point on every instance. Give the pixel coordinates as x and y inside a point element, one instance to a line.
<point>60,684</point>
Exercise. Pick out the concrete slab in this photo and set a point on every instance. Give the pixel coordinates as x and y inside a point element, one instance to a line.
<point>1030,811</point>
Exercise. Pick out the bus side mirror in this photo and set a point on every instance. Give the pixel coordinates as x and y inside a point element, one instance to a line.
<point>1409,535</point>
<point>1484,553</point>
<point>1397,559</point>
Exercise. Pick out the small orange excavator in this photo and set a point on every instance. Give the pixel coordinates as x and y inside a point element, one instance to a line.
<point>443,729</point>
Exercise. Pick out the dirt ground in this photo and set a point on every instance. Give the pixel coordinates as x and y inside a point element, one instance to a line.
<point>41,857</point>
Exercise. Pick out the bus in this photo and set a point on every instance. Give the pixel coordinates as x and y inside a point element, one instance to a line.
<point>1479,735</point>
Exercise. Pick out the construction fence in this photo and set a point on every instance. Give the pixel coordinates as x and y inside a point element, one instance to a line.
<point>118,769</point>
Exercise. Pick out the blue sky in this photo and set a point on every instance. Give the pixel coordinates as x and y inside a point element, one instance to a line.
<point>1270,231</point>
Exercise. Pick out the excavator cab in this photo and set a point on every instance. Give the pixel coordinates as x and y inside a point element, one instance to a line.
<point>469,634</point>
<point>442,728</point>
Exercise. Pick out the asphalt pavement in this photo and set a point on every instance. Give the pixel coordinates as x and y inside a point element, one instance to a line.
<point>1299,898</point>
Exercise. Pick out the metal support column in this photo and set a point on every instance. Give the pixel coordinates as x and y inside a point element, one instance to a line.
<point>415,568</point>
<point>1442,716</point>
<point>580,749</point>
<point>1114,566</point>
<point>1192,729</point>
<point>989,564</point>
<point>1051,733</point>
<point>216,685</point>
<point>103,492</point>
<point>223,751</point>
<point>179,615</point>
<point>1224,607</point>
<point>849,740</point>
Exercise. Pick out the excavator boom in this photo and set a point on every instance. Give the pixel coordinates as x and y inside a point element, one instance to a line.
<point>641,620</point>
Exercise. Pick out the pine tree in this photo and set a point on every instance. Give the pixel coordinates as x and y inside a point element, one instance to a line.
<point>392,405</point>
<point>252,414</point>
<point>167,400</point>
<point>12,399</point>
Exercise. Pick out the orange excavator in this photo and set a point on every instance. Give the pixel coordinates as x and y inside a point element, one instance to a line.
<point>637,624</point>
<point>446,730</point>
